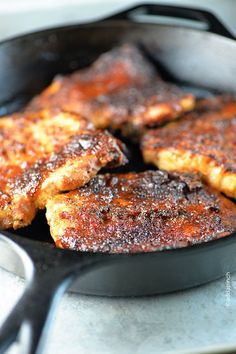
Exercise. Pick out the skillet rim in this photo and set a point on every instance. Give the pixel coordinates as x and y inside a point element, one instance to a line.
<point>108,21</point>
<point>231,238</point>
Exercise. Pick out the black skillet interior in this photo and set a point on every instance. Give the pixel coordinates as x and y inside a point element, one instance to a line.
<point>192,59</point>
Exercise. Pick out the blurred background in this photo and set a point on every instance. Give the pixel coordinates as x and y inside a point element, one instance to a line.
<point>20,16</point>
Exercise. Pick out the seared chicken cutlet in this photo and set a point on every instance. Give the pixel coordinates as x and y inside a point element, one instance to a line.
<point>204,141</point>
<point>121,66</point>
<point>121,90</point>
<point>137,107</point>
<point>44,153</point>
<point>139,212</point>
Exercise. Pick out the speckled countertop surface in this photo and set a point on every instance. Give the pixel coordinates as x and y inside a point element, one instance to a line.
<point>195,320</point>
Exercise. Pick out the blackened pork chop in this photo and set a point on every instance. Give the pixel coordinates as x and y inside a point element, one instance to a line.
<point>45,153</point>
<point>139,212</point>
<point>203,142</point>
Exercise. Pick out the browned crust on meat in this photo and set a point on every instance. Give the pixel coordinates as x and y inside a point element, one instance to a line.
<point>121,90</point>
<point>132,109</point>
<point>203,142</point>
<point>45,153</point>
<point>119,67</point>
<point>141,212</point>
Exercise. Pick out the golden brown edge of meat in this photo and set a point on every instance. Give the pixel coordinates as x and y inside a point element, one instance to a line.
<point>63,170</point>
<point>159,114</point>
<point>131,110</point>
<point>66,204</point>
<point>171,159</point>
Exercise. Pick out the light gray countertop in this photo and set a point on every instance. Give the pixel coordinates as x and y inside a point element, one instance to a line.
<point>193,320</point>
<point>200,318</point>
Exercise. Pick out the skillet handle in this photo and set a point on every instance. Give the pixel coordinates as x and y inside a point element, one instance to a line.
<point>30,316</point>
<point>214,25</point>
<point>53,273</point>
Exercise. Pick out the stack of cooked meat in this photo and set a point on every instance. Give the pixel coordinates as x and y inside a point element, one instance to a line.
<point>51,154</point>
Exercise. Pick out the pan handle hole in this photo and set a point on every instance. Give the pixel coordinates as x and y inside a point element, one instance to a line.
<point>141,15</point>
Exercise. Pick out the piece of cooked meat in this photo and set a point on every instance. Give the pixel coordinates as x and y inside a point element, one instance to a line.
<point>212,103</point>
<point>133,108</point>
<point>203,142</point>
<point>120,90</point>
<point>139,212</point>
<point>44,153</point>
<point>121,66</point>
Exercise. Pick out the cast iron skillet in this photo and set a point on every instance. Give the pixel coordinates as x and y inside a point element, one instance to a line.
<point>28,63</point>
